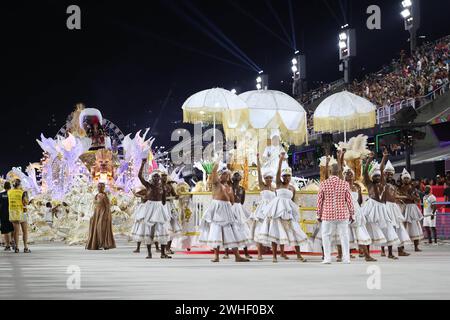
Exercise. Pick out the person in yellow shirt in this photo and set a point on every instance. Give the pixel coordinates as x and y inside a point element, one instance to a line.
<point>17,200</point>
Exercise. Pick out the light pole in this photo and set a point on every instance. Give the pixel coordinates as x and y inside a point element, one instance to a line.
<point>298,73</point>
<point>347,50</point>
<point>411,14</point>
<point>262,81</point>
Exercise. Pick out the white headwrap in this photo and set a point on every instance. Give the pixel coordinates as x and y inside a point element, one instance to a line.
<point>389,167</point>
<point>374,169</point>
<point>268,173</point>
<point>274,133</point>
<point>405,174</point>
<point>286,171</point>
<point>223,169</point>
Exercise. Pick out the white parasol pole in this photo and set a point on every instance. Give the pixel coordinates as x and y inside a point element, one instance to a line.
<point>345,132</point>
<point>214,133</point>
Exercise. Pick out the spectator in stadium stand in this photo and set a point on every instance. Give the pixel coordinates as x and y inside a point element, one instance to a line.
<point>447,193</point>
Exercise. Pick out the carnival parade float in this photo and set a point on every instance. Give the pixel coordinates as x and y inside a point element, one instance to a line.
<point>90,149</point>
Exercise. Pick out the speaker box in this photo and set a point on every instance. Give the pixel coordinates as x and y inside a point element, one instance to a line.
<point>405,115</point>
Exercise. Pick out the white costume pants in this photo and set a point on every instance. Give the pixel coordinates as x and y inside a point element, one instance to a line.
<point>328,230</point>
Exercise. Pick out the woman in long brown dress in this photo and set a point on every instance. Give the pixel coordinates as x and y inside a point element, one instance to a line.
<point>100,228</point>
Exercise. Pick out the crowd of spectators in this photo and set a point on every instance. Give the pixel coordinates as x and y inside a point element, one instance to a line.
<point>409,77</point>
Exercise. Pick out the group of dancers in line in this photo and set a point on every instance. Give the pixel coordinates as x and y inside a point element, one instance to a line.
<point>275,222</point>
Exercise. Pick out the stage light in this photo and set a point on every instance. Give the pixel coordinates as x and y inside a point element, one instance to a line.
<point>258,80</point>
<point>294,61</point>
<point>343,36</point>
<point>406,3</point>
<point>261,72</point>
<point>405,13</point>
<point>233,91</point>
<point>294,69</point>
<point>296,52</point>
<point>342,44</point>
<point>258,86</point>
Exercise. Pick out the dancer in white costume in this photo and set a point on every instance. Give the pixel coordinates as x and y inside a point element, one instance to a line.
<point>267,194</point>
<point>395,212</point>
<point>153,222</point>
<point>137,231</point>
<point>361,236</point>
<point>412,212</point>
<point>374,209</point>
<point>281,225</point>
<point>242,215</point>
<point>219,227</point>
<point>272,153</point>
<point>174,224</point>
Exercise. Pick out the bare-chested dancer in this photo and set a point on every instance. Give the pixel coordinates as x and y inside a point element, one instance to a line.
<point>219,227</point>
<point>379,225</point>
<point>156,214</point>
<point>412,212</point>
<point>241,214</point>
<point>171,195</point>
<point>142,195</point>
<point>393,199</point>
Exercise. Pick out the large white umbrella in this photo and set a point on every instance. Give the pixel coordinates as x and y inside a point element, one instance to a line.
<point>270,109</point>
<point>343,112</point>
<point>214,106</point>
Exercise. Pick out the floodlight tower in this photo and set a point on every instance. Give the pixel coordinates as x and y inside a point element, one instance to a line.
<point>262,81</point>
<point>347,50</point>
<point>298,74</point>
<point>411,14</point>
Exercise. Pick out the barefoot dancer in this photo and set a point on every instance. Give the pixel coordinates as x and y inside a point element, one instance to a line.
<point>219,227</point>
<point>412,211</point>
<point>392,202</point>
<point>360,234</point>
<point>375,211</point>
<point>242,215</point>
<point>153,224</point>
<point>281,225</point>
<point>174,227</point>
<point>139,214</point>
<point>267,195</point>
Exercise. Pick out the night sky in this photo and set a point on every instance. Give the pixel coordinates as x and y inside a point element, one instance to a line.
<point>137,61</point>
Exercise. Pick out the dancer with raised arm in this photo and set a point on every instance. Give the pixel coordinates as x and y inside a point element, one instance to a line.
<point>375,210</point>
<point>153,223</point>
<point>267,194</point>
<point>219,227</point>
<point>281,226</point>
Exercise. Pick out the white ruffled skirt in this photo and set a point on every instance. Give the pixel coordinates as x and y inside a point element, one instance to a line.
<point>379,224</point>
<point>220,228</point>
<point>281,225</point>
<point>397,216</point>
<point>151,223</point>
<point>175,229</point>
<point>413,217</point>
<point>243,220</point>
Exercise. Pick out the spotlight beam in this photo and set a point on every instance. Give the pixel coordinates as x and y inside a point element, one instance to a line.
<point>180,45</point>
<point>259,23</point>
<point>238,51</point>
<point>344,15</point>
<point>332,13</point>
<point>194,23</point>
<point>277,18</point>
<point>291,17</point>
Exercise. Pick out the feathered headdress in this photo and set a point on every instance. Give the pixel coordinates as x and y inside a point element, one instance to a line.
<point>323,161</point>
